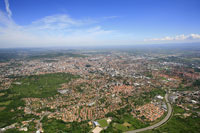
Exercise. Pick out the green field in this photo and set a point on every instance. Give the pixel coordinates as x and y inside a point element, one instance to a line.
<point>103,123</point>
<point>120,127</point>
<point>41,86</point>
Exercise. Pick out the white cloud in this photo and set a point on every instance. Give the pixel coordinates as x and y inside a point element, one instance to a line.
<point>8,8</point>
<point>54,30</point>
<point>195,36</point>
<point>190,37</point>
<point>111,17</point>
<point>5,20</point>
<point>55,22</point>
<point>61,30</point>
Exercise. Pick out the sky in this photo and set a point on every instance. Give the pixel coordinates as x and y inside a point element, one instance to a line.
<point>44,23</point>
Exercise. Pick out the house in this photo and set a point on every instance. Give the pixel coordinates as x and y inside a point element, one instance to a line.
<point>96,123</point>
<point>194,102</point>
<point>109,120</point>
<point>164,106</point>
<point>23,129</point>
<point>159,97</point>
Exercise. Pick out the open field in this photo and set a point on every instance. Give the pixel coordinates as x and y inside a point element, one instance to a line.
<point>103,123</point>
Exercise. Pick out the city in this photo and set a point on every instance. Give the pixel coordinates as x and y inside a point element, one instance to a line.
<point>97,85</point>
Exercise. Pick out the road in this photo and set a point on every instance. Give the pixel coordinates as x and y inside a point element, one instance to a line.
<point>39,121</point>
<point>159,123</point>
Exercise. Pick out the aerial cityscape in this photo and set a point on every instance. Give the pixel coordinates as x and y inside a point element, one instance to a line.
<point>92,73</point>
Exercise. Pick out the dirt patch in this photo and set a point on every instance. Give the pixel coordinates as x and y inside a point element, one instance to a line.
<point>2,108</point>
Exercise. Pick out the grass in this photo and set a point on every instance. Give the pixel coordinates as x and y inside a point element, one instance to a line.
<point>103,123</point>
<point>127,124</point>
<point>120,127</point>
<point>135,123</point>
<point>5,103</point>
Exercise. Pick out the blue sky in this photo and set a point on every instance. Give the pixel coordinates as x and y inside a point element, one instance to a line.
<point>29,23</point>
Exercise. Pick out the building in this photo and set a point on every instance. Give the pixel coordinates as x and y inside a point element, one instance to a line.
<point>159,97</point>
<point>96,123</point>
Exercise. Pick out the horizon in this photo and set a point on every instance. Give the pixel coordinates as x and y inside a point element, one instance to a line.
<point>151,47</point>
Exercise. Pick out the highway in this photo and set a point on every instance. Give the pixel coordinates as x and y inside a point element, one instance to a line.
<point>159,123</point>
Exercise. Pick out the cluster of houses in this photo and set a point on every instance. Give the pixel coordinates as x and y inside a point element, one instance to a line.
<point>150,112</point>
<point>105,81</point>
